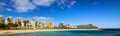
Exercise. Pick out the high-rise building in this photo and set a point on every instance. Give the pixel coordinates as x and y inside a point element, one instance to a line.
<point>50,24</point>
<point>17,21</point>
<point>38,25</point>
<point>27,22</point>
<point>43,23</point>
<point>22,23</point>
<point>32,24</point>
<point>1,20</point>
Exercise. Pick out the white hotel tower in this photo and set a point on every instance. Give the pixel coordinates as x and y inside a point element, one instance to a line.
<point>22,22</point>
<point>32,24</point>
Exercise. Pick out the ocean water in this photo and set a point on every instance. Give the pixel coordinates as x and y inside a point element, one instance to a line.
<point>70,33</point>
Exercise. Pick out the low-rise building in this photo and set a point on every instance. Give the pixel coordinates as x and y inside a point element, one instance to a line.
<point>67,26</point>
<point>73,26</point>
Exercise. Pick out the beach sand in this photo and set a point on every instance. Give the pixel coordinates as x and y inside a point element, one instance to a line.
<point>38,30</point>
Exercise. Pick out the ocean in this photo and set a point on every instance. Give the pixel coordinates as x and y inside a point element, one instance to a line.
<point>70,33</point>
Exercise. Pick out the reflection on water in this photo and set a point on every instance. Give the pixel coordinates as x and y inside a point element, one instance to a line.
<point>70,33</point>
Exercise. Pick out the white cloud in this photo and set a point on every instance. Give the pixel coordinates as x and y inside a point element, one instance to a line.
<point>2,4</point>
<point>43,2</point>
<point>71,4</point>
<point>40,18</point>
<point>60,2</point>
<point>25,18</point>
<point>37,18</point>
<point>3,8</point>
<point>23,5</point>
<point>66,3</point>
<point>1,15</point>
<point>29,5</point>
<point>8,9</point>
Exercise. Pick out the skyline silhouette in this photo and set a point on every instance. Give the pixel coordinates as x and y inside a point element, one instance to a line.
<point>102,13</point>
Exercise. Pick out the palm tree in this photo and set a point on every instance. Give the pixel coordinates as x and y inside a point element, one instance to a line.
<point>10,25</point>
<point>26,23</point>
<point>17,23</point>
<point>9,22</point>
<point>2,24</point>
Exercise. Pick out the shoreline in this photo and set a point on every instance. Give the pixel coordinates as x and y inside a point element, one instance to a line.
<point>2,32</point>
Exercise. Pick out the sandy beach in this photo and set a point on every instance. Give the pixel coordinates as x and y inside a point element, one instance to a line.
<point>38,30</point>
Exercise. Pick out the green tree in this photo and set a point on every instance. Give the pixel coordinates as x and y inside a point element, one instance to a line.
<point>2,26</point>
<point>15,26</point>
<point>17,23</point>
<point>10,25</point>
<point>26,23</point>
<point>9,20</point>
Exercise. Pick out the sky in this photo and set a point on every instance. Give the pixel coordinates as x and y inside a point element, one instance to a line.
<point>101,13</point>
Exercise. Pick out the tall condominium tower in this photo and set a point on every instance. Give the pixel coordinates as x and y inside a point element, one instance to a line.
<point>1,20</point>
<point>43,24</point>
<point>50,24</point>
<point>22,23</point>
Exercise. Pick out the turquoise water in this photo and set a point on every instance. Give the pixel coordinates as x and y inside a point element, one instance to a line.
<point>70,33</point>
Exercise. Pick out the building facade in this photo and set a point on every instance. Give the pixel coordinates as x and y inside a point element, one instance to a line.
<point>43,24</point>
<point>51,24</point>
<point>22,23</point>
<point>1,20</point>
<point>67,26</point>
<point>32,24</point>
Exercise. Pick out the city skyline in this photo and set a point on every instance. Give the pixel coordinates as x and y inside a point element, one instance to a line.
<point>101,13</point>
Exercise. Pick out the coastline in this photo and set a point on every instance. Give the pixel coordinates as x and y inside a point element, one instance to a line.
<point>2,32</point>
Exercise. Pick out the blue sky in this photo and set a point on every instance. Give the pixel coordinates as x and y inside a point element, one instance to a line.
<point>102,13</point>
